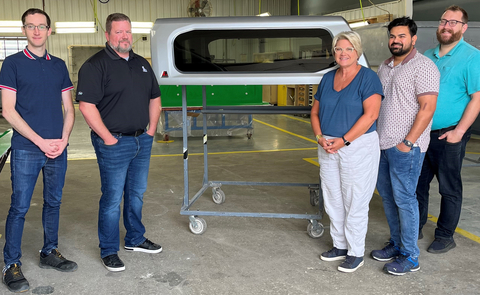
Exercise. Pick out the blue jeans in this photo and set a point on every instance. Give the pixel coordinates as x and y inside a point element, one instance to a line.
<point>397,180</point>
<point>124,172</point>
<point>25,167</point>
<point>443,160</point>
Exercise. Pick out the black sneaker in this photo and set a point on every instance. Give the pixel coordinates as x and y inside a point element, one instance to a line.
<point>147,247</point>
<point>441,246</point>
<point>420,234</point>
<point>56,261</point>
<point>14,280</point>
<point>334,254</point>
<point>113,263</point>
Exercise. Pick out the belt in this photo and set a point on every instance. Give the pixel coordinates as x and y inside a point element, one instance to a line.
<point>134,134</point>
<point>443,130</point>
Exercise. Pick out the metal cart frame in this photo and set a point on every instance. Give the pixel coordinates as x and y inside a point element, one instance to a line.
<point>197,224</point>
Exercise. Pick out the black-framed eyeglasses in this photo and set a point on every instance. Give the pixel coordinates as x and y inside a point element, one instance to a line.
<point>31,27</point>
<point>451,23</point>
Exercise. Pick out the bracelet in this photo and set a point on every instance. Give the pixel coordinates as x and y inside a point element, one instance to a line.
<point>318,136</point>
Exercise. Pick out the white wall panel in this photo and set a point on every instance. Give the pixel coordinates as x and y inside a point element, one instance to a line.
<point>396,8</point>
<point>137,10</point>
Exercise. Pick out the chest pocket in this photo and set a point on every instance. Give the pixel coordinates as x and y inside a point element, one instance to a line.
<point>445,74</point>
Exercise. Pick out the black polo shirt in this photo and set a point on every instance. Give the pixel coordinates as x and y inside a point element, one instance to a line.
<point>120,89</point>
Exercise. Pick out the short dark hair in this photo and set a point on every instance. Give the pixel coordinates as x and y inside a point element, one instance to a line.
<point>404,21</point>
<point>458,8</point>
<point>35,11</point>
<point>115,17</point>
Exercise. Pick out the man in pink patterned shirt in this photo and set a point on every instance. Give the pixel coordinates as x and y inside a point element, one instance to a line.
<point>410,84</point>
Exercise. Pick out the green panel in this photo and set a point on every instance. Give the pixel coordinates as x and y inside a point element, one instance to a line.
<point>218,95</point>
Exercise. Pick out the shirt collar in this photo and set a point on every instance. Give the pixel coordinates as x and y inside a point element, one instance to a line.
<point>30,55</point>
<point>114,55</point>
<point>407,58</point>
<point>451,52</point>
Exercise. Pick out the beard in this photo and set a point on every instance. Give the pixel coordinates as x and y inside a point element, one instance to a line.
<point>120,49</point>
<point>399,51</point>
<point>455,36</point>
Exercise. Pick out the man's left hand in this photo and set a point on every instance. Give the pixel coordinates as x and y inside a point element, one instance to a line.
<point>452,136</point>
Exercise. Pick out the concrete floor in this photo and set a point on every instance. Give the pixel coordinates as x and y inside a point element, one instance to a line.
<point>236,255</point>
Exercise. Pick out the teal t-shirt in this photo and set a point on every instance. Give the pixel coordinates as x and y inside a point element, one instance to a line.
<point>459,79</point>
<point>340,110</point>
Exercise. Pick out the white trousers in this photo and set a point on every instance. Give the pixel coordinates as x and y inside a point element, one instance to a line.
<point>348,182</point>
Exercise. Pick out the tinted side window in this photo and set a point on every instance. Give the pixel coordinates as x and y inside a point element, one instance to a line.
<point>250,51</point>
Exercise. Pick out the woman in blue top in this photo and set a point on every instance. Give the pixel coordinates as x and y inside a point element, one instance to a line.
<point>343,119</point>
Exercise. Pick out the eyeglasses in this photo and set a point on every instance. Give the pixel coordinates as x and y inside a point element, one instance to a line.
<point>451,23</point>
<point>31,27</point>
<point>340,49</point>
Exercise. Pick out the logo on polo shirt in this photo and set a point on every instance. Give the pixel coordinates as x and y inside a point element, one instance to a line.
<point>80,93</point>
<point>144,70</point>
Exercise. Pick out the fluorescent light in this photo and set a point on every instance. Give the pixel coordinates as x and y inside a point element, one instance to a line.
<point>10,26</point>
<point>148,25</point>
<point>75,27</point>
<point>75,30</point>
<point>358,24</point>
<point>264,14</point>
<point>141,27</point>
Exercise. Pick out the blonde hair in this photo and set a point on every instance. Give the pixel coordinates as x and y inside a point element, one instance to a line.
<point>352,37</point>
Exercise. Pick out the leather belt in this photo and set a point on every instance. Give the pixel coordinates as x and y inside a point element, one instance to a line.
<point>134,134</point>
<point>443,130</point>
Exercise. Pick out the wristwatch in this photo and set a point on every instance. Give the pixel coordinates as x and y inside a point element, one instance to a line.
<point>408,143</point>
<point>345,142</point>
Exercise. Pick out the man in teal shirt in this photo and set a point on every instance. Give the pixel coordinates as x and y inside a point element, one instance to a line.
<point>458,105</point>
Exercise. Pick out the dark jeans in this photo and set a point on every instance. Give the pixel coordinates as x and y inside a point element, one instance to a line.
<point>25,168</point>
<point>124,172</point>
<point>443,160</point>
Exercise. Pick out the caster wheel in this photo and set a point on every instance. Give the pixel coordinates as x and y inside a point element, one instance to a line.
<point>199,226</point>
<point>218,196</point>
<point>315,233</point>
<point>314,197</point>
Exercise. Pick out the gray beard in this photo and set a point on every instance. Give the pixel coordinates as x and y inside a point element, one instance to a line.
<point>120,49</point>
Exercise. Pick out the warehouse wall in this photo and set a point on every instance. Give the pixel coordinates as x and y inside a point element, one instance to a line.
<point>137,10</point>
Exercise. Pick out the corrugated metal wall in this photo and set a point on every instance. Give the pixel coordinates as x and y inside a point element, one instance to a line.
<point>137,10</point>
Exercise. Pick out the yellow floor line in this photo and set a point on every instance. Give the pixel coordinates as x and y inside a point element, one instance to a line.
<point>459,230</point>
<point>295,118</point>
<point>430,217</point>
<point>283,130</point>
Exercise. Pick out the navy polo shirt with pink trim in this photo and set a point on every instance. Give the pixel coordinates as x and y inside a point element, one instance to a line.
<point>39,83</point>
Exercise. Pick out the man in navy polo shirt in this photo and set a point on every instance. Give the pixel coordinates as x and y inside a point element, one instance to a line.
<point>119,96</point>
<point>34,85</point>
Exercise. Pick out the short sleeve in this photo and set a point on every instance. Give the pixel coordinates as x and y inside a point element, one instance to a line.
<point>473,74</point>
<point>427,80</point>
<point>90,84</point>
<point>8,75</point>
<point>370,85</point>
<point>322,84</point>
<point>67,83</point>
<point>155,86</point>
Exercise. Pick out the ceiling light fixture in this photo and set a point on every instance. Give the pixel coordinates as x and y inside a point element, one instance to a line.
<point>10,26</point>
<point>75,27</point>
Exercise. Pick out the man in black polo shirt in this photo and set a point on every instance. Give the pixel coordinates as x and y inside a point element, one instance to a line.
<point>119,96</point>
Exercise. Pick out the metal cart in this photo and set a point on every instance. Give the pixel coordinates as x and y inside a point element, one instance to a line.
<point>197,224</point>
<point>5,138</point>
